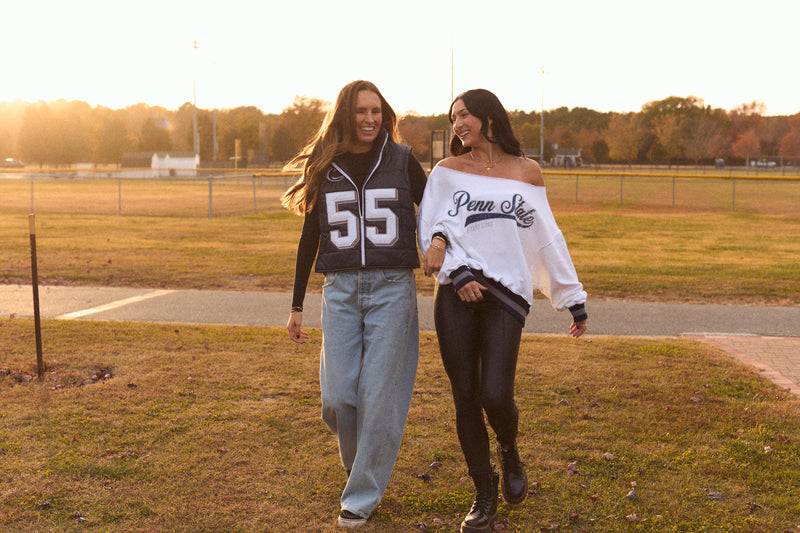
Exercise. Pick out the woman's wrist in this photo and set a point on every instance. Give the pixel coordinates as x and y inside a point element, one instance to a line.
<point>297,309</point>
<point>438,242</point>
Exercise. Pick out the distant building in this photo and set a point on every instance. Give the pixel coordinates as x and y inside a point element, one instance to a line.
<point>567,157</point>
<point>531,153</point>
<point>159,164</point>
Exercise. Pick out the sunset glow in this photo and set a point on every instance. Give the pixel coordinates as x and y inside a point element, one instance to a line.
<point>607,56</point>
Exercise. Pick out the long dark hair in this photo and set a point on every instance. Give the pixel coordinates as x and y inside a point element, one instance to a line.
<point>335,137</point>
<point>486,106</point>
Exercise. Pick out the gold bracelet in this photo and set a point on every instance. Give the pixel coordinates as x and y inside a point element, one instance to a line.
<point>437,247</point>
<point>297,309</point>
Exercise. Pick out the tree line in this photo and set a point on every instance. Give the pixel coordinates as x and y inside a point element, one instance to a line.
<point>674,130</point>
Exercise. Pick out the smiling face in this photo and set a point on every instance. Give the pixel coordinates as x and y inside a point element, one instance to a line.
<point>368,118</point>
<point>466,125</point>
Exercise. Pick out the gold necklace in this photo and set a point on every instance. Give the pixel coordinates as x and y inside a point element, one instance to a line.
<point>488,165</point>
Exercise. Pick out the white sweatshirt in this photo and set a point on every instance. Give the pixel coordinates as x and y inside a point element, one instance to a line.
<point>504,228</point>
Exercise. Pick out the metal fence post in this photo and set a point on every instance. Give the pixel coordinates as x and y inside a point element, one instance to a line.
<point>35,284</point>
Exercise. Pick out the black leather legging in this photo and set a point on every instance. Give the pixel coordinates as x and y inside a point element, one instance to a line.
<point>479,343</point>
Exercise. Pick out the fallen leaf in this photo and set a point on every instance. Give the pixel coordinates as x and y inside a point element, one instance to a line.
<point>572,468</point>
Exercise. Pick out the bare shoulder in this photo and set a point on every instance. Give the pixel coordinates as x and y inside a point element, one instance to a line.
<point>453,162</point>
<point>528,171</point>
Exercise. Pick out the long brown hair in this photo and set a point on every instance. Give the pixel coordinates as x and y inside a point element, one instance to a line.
<point>336,135</point>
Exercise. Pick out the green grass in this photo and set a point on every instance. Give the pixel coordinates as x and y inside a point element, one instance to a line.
<point>656,255</point>
<point>217,429</point>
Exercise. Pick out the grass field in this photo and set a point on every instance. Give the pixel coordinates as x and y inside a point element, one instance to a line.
<point>658,255</point>
<point>143,428</point>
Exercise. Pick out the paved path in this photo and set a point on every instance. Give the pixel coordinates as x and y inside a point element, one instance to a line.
<point>765,337</point>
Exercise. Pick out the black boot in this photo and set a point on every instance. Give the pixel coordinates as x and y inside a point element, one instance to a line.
<point>515,482</point>
<point>483,513</point>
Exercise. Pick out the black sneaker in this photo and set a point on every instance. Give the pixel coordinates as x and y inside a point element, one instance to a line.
<point>350,520</point>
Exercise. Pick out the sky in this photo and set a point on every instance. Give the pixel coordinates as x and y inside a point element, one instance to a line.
<point>614,55</point>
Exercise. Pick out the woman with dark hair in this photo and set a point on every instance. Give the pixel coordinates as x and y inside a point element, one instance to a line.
<point>489,238</point>
<point>357,193</point>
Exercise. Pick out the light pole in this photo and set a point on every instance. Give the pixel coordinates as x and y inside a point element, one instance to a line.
<point>195,137</point>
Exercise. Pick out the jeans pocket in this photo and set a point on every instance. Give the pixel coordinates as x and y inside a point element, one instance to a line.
<point>330,279</point>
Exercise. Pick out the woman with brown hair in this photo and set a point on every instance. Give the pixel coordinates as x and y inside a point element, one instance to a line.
<point>357,194</point>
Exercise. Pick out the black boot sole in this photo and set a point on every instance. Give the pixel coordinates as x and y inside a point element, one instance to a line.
<point>466,528</point>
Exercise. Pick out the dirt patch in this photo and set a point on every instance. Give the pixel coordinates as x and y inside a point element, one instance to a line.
<point>58,377</point>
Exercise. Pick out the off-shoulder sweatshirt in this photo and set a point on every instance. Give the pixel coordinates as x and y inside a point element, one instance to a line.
<point>502,233</point>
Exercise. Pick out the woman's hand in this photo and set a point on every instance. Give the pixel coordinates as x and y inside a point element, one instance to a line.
<point>471,292</point>
<point>434,257</point>
<point>577,328</point>
<point>294,326</point>
<point>432,263</point>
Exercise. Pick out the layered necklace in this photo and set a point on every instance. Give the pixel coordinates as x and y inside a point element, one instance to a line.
<point>488,164</point>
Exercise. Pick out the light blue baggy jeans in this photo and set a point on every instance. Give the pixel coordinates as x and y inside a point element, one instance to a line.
<point>368,364</point>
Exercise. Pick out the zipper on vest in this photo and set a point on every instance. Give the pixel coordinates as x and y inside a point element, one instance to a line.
<point>360,199</point>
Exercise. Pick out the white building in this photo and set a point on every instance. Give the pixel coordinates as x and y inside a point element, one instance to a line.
<point>159,164</point>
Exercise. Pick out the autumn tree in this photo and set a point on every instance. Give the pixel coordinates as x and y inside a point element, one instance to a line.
<point>282,145</point>
<point>771,133</point>
<point>623,137</point>
<point>790,144</point>
<point>415,132</point>
<point>10,121</point>
<point>243,123</point>
<point>670,136</point>
<point>703,138</point>
<point>109,136</point>
<point>302,119</point>
<point>746,145</point>
<point>746,117</point>
<point>530,135</point>
<point>6,144</point>
<point>594,149</point>
<point>55,133</point>
<point>563,136</point>
<point>154,137</point>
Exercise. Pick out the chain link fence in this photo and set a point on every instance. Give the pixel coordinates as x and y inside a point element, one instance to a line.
<point>217,194</point>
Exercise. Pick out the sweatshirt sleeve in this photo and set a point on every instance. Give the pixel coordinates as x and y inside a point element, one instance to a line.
<point>554,275</point>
